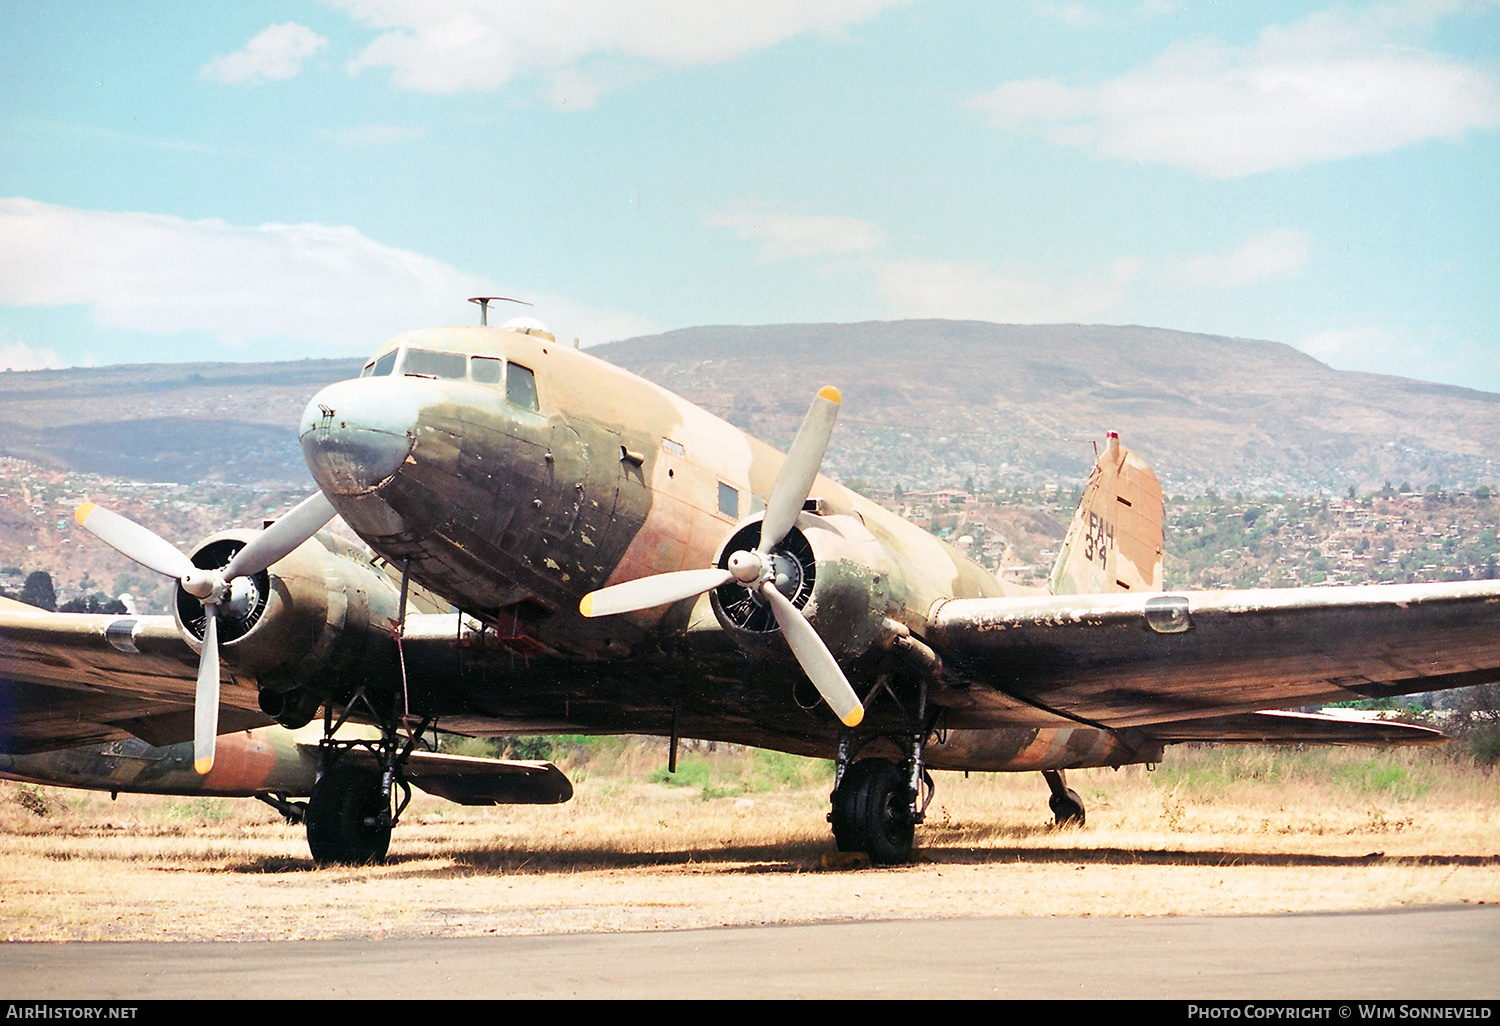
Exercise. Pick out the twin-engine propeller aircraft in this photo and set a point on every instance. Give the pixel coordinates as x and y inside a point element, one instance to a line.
<point>623,561</point>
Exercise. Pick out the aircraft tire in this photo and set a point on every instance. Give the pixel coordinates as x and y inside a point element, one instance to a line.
<point>872,812</point>
<point>1067,811</point>
<point>347,823</point>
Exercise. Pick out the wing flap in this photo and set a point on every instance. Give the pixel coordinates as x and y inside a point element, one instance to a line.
<point>1276,726</point>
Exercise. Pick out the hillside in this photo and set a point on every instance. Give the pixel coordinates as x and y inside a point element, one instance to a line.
<point>926,404</point>
<point>931,403</point>
<point>174,422</point>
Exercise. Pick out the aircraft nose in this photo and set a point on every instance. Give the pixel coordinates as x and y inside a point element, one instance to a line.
<point>356,434</point>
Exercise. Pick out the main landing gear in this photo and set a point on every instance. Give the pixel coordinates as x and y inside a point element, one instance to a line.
<point>875,812</point>
<point>361,793</point>
<point>349,817</point>
<point>878,802</point>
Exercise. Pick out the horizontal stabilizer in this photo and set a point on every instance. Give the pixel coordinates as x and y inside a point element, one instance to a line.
<point>1280,727</point>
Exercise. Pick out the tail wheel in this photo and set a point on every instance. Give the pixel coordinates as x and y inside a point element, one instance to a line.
<point>872,812</point>
<point>1067,808</point>
<point>348,820</point>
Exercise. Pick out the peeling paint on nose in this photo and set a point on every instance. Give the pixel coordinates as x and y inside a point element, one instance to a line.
<point>356,434</point>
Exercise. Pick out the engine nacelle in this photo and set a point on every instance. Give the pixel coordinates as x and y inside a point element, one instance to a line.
<point>317,611</point>
<point>832,568</point>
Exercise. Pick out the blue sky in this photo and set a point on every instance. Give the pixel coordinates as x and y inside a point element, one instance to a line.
<point>299,178</point>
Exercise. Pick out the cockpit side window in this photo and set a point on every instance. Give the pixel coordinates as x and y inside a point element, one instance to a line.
<point>729,500</point>
<point>486,370</point>
<point>520,387</point>
<point>433,363</point>
<point>381,367</point>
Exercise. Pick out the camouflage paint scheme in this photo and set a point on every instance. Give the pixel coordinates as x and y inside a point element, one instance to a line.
<point>512,502</point>
<point>249,762</point>
<point>515,514</point>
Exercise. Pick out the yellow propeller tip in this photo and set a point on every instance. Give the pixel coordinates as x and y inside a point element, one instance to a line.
<point>586,607</point>
<point>854,718</point>
<point>203,766</point>
<point>830,393</point>
<point>82,512</point>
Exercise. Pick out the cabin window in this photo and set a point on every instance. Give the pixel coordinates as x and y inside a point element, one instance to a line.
<point>673,447</point>
<point>432,363</point>
<point>486,370</point>
<point>729,500</point>
<point>381,367</point>
<point>520,387</point>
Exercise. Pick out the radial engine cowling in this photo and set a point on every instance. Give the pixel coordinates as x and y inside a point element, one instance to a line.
<point>314,614</point>
<point>831,568</point>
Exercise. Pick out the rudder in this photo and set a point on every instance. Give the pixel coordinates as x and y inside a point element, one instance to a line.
<point>1114,543</point>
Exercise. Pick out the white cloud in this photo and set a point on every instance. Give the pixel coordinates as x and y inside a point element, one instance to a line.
<point>1343,347</point>
<point>18,356</point>
<point>973,290</point>
<point>278,290</point>
<point>977,290</point>
<point>1274,254</point>
<point>1069,12</point>
<point>799,235</point>
<point>274,55</point>
<point>583,47</point>
<point>1331,86</point>
<point>1425,355</point>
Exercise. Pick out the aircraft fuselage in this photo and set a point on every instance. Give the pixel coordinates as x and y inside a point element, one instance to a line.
<point>513,476</point>
<point>515,501</point>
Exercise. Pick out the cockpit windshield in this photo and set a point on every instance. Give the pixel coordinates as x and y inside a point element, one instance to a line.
<point>381,367</point>
<point>518,382</point>
<point>434,363</point>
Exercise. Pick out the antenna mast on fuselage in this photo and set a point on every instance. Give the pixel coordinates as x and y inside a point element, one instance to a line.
<point>485,301</point>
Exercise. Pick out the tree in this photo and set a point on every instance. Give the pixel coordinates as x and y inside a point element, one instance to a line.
<point>38,590</point>
<point>98,602</point>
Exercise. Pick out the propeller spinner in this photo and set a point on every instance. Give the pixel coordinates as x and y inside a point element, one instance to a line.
<point>211,587</point>
<point>755,569</point>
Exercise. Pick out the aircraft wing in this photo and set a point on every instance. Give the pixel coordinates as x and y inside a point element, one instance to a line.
<point>71,679</point>
<point>1136,660</point>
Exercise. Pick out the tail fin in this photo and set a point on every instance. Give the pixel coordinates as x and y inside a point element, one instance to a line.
<point>1114,542</point>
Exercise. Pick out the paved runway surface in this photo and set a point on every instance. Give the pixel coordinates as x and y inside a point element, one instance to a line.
<point>1401,954</point>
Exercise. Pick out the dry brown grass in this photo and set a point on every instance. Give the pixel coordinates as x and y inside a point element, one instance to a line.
<point>1214,831</point>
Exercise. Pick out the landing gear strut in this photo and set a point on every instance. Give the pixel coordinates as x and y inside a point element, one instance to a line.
<point>878,802</point>
<point>358,799</point>
<point>1067,807</point>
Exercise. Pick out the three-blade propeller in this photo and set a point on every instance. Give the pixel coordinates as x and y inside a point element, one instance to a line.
<point>755,570</point>
<point>211,587</point>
